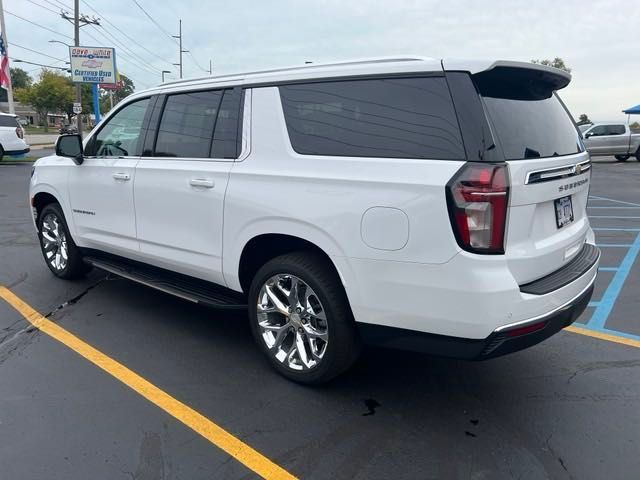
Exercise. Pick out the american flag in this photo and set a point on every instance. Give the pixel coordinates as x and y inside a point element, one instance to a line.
<point>5,78</point>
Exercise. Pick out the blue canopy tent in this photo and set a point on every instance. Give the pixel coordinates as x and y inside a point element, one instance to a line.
<point>632,110</point>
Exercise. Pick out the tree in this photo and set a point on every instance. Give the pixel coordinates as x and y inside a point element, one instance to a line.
<point>583,119</point>
<point>127,89</point>
<point>635,126</point>
<point>556,63</point>
<point>20,78</point>
<point>52,93</point>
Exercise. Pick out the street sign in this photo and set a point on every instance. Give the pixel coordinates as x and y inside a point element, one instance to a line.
<point>77,108</point>
<point>113,86</point>
<point>93,65</point>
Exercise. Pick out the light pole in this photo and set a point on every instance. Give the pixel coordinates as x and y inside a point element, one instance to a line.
<point>163,72</point>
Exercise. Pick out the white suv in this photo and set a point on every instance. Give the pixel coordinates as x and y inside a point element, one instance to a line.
<point>11,136</point>
<point>437,206</point>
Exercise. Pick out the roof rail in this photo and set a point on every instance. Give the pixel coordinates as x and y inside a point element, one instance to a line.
<point>301,67</point>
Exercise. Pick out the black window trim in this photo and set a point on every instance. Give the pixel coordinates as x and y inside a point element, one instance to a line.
<point>145,122</point>
<point>151,138</point>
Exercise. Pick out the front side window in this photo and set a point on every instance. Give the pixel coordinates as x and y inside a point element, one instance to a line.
<point>597,131</point>
<point>186,127</point>
<point>388,117</point>
<point>121,135</point>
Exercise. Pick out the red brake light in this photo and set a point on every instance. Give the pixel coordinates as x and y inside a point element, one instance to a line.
<point>477,197</point>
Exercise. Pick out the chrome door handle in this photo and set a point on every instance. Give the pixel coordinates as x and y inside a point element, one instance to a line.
<point>201,182</point>
<point>122,176</point>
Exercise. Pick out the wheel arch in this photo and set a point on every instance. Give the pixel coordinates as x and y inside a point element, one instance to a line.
<point>263,247</point>
<point>45,194</point>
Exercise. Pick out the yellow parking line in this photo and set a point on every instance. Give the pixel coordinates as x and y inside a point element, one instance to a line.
<point>235,447</point>
<point>603,336</point>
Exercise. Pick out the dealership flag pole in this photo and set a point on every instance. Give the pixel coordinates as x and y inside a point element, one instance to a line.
<point>5,63</point>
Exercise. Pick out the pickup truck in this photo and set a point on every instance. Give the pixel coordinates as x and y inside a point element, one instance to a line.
<point>612,138</point>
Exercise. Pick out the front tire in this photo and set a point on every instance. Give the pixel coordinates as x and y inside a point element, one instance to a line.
<point>301,319</point>
<point>621,158</point>
<point>60,253</point>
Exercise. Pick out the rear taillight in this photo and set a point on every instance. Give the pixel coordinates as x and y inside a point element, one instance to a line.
<point>19,132</point>
<point>477,197</point>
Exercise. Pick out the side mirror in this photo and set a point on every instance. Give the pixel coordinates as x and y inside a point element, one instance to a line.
<point>70,146</point>
<point>587,135</point>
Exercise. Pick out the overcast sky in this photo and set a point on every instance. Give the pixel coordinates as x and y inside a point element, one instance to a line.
<point>597,39</point>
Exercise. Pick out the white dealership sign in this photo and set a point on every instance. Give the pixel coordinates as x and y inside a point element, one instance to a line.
<point>93,64</point>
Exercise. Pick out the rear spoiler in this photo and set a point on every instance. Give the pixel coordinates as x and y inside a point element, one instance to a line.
<point>508,79</point>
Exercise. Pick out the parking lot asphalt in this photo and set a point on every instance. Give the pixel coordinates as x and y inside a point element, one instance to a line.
<point>567,408</point>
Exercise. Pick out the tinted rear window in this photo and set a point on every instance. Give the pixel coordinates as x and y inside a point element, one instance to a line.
<point>394,117</point>
<point>528,118</point>
<point>6,121</point>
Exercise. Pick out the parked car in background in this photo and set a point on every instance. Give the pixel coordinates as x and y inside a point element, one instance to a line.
<point>612,138</point>
<point>407,202</point>
<point>11,136</point>
<point>68,128</point>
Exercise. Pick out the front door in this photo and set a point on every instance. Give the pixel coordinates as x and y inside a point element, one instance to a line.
<point>101,189</point>
<point>181,182</point>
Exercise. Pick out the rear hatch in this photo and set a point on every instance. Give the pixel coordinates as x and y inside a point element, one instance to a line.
<point>548,166</point>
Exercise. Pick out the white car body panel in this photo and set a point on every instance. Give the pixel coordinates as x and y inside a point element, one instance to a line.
<point>384,223</point>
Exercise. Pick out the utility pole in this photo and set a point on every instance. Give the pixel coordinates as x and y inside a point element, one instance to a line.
<point>210,64</point>
<point>78,21</point>
<point>6,51</point>
<point>76,42</point>
<point>179,37</point>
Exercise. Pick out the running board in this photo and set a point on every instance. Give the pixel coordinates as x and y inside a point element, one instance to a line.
<point>183,286</point>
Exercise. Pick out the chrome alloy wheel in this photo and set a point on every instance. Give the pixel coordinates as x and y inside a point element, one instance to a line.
<point>292,322</point>
<point>54,242</point>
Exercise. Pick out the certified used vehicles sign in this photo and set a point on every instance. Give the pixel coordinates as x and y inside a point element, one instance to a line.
<point>93,64</point>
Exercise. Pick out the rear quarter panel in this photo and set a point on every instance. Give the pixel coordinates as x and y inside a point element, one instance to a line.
<point>323,199</point>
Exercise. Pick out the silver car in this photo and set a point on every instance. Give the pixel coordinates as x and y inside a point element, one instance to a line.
<point>612,138</point>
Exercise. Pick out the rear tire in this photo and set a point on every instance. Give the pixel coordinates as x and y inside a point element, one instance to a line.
<point>1,152</point>
<point>297,301</point>
<point>60,252</point>
<point>638,154</point>
<point>621,158</point>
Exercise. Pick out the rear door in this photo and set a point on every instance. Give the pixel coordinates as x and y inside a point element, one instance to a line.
<point>615,140</point>
<point>182,178</point>
<point>549,168</point>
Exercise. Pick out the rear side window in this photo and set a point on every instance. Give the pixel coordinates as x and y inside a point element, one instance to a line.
<point>615,130</point>
<point>8,121</point>
<point>529,119</point>
<point>392,117</point>
<point>186,127</point>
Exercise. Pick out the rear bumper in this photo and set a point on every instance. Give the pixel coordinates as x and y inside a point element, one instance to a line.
<point>502,341</point>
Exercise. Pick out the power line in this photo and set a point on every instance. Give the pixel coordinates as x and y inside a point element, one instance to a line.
<point>13,44</point>
<point>137,43</point>
<point>120,44</point>
<point>37,24</point>
<point>154,21</point>
<point>172,37</point>
<point>42,6</point>
<point>58,3</point>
